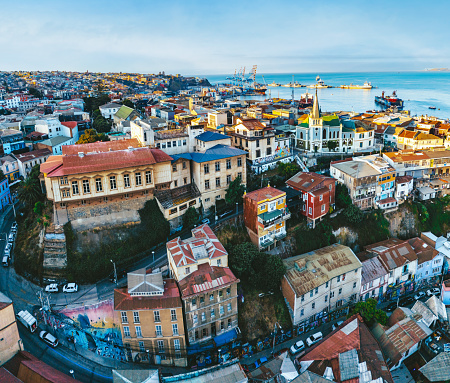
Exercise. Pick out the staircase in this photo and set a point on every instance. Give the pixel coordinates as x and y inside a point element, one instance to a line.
<point>301,163</point>
<point>55,253</point>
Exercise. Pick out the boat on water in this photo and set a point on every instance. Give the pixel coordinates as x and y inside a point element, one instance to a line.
<point>432,107</point>
<point>320,84</point>
<point>306,100</point>
<point>274,84</point>
<point>367,85</point>
<point>389,101</point>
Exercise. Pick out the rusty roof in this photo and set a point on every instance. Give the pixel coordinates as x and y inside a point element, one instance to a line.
<point>307,271</point>
<point>307,181</point>
<point>252,124</point>
<point>424,251</point>
<point>99,147</point>
<point>393,252</point>
<point>372,269</point>
<point>264,194</point>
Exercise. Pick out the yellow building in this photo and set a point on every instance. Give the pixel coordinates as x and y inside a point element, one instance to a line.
<point>265,215</point>
<point>151,319</point>
<point>418,140</point>
<point>10,343</point>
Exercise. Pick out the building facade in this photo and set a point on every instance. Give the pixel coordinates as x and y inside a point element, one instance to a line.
<point>151,319</point>
<point>11,343</point>
<point>265,215</point>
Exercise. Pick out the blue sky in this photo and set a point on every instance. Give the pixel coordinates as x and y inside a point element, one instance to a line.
<point>208,37</point>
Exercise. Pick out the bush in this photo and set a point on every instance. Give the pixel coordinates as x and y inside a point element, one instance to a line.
<point>312,239</point>
<point>353,214</point>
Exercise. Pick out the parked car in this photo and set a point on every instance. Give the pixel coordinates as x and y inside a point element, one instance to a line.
<point>52,288</point>
<point>265,294</point>
<point>255,364</point>
<point>11,237</point>
<point>226,213</point>
<point>70,288</point>
<point>336,325</point>
<point>206,220</point>
<point>14,226</point>
<point>297,347</point>
<point>433,291</point>
<point>7,251</point>
<point>391,307</point>
<point>419,295</point>
<point>48,338</point>
<point>314,338</point>
<point>406,301</point>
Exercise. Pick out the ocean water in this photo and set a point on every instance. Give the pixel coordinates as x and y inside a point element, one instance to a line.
<point>419,90</point>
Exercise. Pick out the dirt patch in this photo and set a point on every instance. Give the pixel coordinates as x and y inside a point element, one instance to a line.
<point>346,236</point>
<point>402,223</point>
<point>257,316</point>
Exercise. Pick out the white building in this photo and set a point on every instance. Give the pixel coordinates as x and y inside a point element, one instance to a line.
<point>404,186</point>
<point>109,110</point>
<point>320,282</point>
<point>374,279</point>
<point>54,128</point>
<point>26,161</point>
<point>429,262</point>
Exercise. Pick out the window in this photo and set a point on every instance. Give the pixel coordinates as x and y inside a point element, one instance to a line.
<point>160,345</point>
<point>185,180</point>
<point>203,316</point>
<point>302,312</point>
<point>177,347</point>
<point>158,330</point>
<point>340,290</point>
<point>321,197</point>
<point>322,208</point>
<point>63,180</point>
<point>326,284</point>
<point>112,182</point>
<point>202,300</point>
<point>194,302</point>
<point>302,298</point>
<point>126,331</point>
<point>354,285</point>
<point>136,317</point>
<point>343,277</point>
<point>211,297</point>
<point>240,175</point>
<point>239,161</point>
<point>184,164</point>
<point>169,144</point>
<point>219,262</point>
<point>141,346</point>
<point>332,294</point>
<point>156,316</point>
<point>228,291</point>
<point>138,179</point>
<point>175,183</point>
<point>229,307</point>
<point>221,310</point>
<point>228,164</point>
<point>326,298</point>
<point>205,332</point>
<point>258,153</point>
<point>222,325</point>
<point>123,315</point>
<point>311,294</point>
<point>175,329</point>
<point>310,210</point>
<point>138,332</point>
<point>269,151</point>
<point>98,185</point>
<point>126,180</point>
<point>206,168</point>
<point>187,270</point>
<point>206,184</point>
<point>174,167</point>
<point>105,199</point>
<point>313,305</point>
<point>173,314</point>
<point>338,278</point>
<point>217,182</point>
<point>317,290</point>
<point>228,179</point>
<point>74,187</point>
<point>268,141</point>
<point>217,166</point>
<point>257,143</point>
<point>229,322</point>
<point>195,319</point>
<point>213,313</point>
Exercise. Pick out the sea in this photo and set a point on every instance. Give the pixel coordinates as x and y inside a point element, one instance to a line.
<point>418,90</point>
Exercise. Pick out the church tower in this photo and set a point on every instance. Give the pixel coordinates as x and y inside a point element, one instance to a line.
<point>315,127</point>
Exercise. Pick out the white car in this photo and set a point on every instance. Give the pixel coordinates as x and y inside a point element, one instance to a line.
<point>11,237</point>
<point>14,226</point>
<point>336,325</point>
<point>297,347</point>
<point>51,288</point>
<point>70,288</point>
<point>433,291</point>
<point>8,249</point>
<point>419,295</point>
<point>48,338</point>
<point>314,338</point>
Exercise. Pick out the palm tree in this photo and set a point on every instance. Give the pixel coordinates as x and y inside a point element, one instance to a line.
<point>30,191</point>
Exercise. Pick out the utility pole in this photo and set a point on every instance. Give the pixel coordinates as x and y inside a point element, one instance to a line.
<point>115,271</point>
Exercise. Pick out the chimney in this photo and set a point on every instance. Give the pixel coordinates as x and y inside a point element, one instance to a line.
<point>81,154</point>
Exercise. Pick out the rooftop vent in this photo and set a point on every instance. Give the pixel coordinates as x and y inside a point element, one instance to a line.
<point>130,148</point>
<point>81,154</point>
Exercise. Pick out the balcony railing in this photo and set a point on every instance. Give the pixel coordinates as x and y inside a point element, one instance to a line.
<point>267,243</point>
<point>277,220</point>
<point>280,236</point>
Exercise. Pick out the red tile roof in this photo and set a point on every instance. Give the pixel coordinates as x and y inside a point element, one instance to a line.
<point>33,155</point>
<point>203,237</point>
<point>424,251</point>
<point>7,377</point>
<point>171,299</point>
<point>206,278</point>
<point>40,369</point>
<point>101,146</point>
<point>403,179</point>
<point>265,193</point>
<point>70,124</point>
<point>252,124</point>
<point>308,181</point>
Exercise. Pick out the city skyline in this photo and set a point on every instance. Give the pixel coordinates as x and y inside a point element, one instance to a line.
<point>202,38</point>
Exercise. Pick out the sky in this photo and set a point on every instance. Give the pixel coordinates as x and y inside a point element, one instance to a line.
<point>196,37</point>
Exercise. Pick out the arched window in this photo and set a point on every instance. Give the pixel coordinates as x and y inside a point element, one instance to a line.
<point>334,134</point>
<point>337,134</point>
<point>324,134</point>
<point>301,135</point>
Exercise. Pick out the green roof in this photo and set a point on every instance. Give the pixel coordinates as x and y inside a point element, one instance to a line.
<point>123,112</point>
<point>55,141</point>
<point>331,120</point>
<point>271,215</point>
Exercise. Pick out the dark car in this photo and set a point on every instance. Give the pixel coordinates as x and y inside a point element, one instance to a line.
<point>254,365</point>
<point>406,301</point>
<point>391,307</point>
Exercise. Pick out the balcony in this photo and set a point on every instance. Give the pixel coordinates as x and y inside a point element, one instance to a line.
<point>280,236</point>
<point>267,243</point>
<point>273,218</point>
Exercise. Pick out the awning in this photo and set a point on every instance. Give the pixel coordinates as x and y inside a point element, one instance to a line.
<point>271,215</point>
<point>196,348</point>
<point>225,337</point>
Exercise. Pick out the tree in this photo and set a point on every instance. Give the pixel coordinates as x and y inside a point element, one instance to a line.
<point>30,189</point>
<point>235,192</point>
<point>369,312</point>
<point>287,170</point>
<point>90,136</point>
<point>241,259</point>
<point>331,145</point>
<point>312,239</point>
<point>93,103</point>
<point>155,227</point>
<point>190,218</point>
<point>36,93</point>
<point>269,269</point>
<point>128,103</point>
<point>353,214</point>
<point>101,124</point>
<point>342,199</point>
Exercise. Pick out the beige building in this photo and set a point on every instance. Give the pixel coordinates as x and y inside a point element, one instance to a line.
<point>151,319</point>
<point>417,140</point>
<point>10,343</point>
<point>319,282</point>
<point>209,296</point>
<point>186,255</point>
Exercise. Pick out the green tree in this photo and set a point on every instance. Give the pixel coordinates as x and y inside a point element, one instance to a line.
<point>93,103</point>
<point>235,192</point>
<point>36,93</point>
<point>128,103</point>
<point>241,259</point>
<point>190,218</point>
<point>269,269</point>
<point>353,214</point>
<point>155,227</point>
<point>29,191</point>
<point>312,239</point>
<point>369,312</point>
<point>342,196</point>
<point>101,124</point>
<point>90,136</point>
<point>331,145</point>
<point>287,170</point>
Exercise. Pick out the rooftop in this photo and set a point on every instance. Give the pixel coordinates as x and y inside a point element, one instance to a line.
<point>217,152</point>
<point>24,157</point>
<point>307,181</point>
<point>265,194</point>
<point>209,136</point>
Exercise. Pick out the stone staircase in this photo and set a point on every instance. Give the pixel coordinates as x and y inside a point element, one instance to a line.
<point>55,252</point>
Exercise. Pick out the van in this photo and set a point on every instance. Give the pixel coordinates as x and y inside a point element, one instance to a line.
<point>28,320</point>
<point>314,338</point>
<point>5,261</point>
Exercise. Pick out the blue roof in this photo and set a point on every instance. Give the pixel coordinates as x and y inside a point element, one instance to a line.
<point>211,136</point>
<point>349,124</point>
<point>217,152</point>
<point>225,337</point>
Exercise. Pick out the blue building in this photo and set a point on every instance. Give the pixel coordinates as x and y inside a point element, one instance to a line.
<point>5,194</point>
<point>429,262</point>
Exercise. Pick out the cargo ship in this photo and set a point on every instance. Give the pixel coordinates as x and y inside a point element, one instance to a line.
<point>306,100</point>
<point>389,101</point>
<point>320,84</point>
<point>367,85</point>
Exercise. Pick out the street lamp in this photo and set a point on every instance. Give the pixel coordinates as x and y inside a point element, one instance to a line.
<point>115,271</point>
<point>71,372</point>
<point>153,254</point>
<point>148,355</point>
<point>237,207</point>
<point>275,335</point>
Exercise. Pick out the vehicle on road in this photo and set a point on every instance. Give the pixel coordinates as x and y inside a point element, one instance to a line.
<point>391,307</point>
<point>314,338</point>
<point>253,366</point>
<point>28,320</point>
<point>265,294</point>
<point>297,347</point>
<point>406,301</point>
<point>14,226</point>
<point>8,248</point>
<point>11,237</point>
<point>48,338</point>
<point>70,288</point>
<point>433,291</point>
<point>5,261</point>
<point>226,213</point>
<point>419,295</point>
<point>336,325</point>
<point>206,220</point>
<point>52,288</point>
